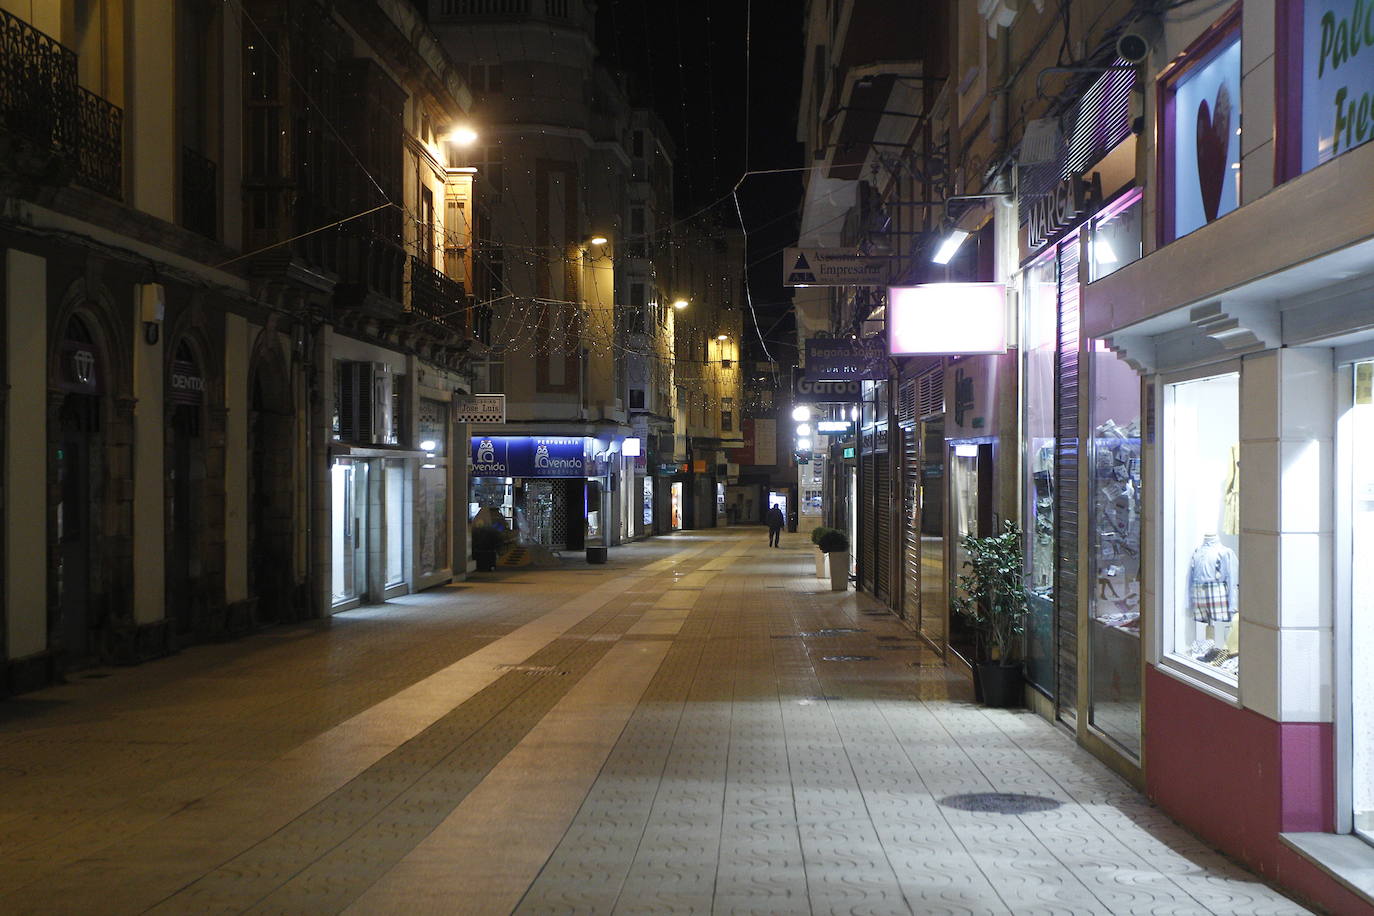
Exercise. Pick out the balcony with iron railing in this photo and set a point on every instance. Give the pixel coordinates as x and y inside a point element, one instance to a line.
<point>51,129</point>
<point>438,299</point>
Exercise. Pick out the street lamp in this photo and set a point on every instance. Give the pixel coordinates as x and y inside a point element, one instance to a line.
<point>801,413</point>
<point>597,240</point>
<point>680,304</point>
<point>462,136</point>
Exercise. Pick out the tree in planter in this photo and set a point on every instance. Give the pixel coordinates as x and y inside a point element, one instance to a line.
<point>994,595</point>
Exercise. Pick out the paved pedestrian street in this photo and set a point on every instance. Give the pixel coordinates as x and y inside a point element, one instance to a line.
<point>699,726</point>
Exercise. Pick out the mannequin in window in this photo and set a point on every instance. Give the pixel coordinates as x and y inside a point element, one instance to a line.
<point>1213,595</point>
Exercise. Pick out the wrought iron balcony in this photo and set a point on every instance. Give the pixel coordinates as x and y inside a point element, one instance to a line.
<point>437,298</point>
<point>53,130</point>
<point>37,95</point>
<point>100,145</point>
<point>199,194</point>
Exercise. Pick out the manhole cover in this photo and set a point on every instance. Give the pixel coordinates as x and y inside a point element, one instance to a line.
<point>1000,803</point>
<point>834,631</point>
<point>849,658</point>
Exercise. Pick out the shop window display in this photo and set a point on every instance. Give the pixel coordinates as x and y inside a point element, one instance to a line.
<point>1042,291</point>
<point>1114,553</point>
<point>1202,523</point>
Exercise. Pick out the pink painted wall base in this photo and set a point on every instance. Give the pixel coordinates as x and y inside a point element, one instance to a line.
<point>1238,779</point>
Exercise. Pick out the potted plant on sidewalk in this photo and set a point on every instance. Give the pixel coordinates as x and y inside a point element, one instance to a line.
<point>993,599</point>
<point>822,567</point>
<point>835,546</point>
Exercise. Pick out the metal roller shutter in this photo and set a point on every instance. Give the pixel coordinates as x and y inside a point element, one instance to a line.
<point>1066,458</point>
<point>867,555</point>
<point>883,571</point>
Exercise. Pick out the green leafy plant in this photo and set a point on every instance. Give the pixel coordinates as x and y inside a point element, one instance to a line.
<point>993,595</point>
<point>818,532</point>
<point>832,540</point>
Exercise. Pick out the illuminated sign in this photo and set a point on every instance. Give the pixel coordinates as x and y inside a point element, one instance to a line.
<point>630,448</point>
<point>834,427</point>
<point>531,456</point>
<point>953,319</point>
<point>845,358</point>
<point>808,390</point>
<point>849,451</point>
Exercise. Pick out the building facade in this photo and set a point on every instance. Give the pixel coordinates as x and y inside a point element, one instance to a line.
<point>1176,418</point>
<point>210,211</point>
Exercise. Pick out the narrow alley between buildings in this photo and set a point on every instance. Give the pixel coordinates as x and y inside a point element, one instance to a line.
<point>698,726</point>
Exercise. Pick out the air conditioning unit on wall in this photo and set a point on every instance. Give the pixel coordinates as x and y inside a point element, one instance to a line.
<point>365,403</point>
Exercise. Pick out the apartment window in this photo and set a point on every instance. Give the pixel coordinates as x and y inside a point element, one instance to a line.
<point>727,420</point>
<point>424,242</point>
<point>491,166</point>
<point>637,144</point>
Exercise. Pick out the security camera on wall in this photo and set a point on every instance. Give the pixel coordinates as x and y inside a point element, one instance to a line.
<point>1135,42</point>
<point>1132,47</point>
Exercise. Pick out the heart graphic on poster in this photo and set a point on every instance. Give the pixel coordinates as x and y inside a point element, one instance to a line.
<point>1213,140</point>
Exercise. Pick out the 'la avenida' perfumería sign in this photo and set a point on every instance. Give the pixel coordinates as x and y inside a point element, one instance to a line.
<point>532,456</point>
<point>832,267</point>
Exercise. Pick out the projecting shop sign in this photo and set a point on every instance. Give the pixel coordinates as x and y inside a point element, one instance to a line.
<point>807,390</point>
<point>846,359</point>
<point>832,267</point>
<point>479,408</point>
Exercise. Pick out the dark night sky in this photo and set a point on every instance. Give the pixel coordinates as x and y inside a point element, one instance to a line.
<point>687,62</point>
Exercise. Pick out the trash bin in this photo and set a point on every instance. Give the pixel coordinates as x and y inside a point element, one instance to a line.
<point>596,554</point>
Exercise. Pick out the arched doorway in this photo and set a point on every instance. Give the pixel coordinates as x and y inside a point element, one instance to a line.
<point>185,490</point>
<point>270,443</point>
<point>78,494</point>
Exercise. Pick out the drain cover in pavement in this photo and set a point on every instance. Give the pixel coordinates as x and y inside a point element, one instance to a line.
<point>849,658</point>
<point>1000,803</point>
<point>834,631</point>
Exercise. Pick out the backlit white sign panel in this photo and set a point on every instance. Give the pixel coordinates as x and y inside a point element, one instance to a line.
<point>950,319</point>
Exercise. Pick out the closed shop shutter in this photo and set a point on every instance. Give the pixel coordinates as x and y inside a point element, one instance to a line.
<point>911,523</point>
<point>867,555</point>
<point>1066,459</point>
<point>883,586</point>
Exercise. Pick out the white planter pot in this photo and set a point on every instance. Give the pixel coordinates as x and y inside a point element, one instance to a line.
<point>822,569</point>
<point>839,570</point>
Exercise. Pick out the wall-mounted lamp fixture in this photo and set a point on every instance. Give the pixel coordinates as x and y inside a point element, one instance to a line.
<point>722,337</point>
<point>597,240</point>
<point>462,136</point>
<point>680,304</point>
<point>949,246</point>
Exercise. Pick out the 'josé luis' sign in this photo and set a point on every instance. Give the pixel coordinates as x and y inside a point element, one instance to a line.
<point>529,456</point>
<point>1337,78</point>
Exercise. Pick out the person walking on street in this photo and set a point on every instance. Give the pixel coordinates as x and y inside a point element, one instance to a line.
<point>775,523</point>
